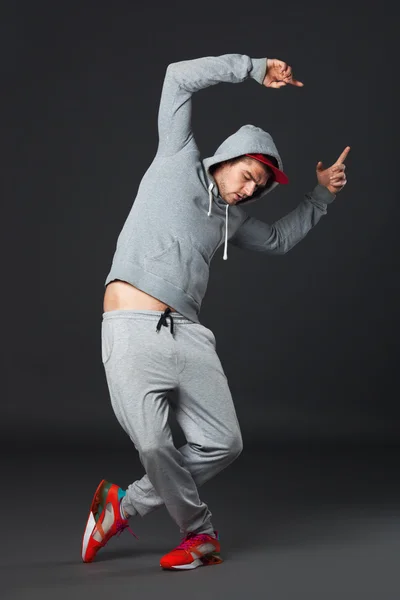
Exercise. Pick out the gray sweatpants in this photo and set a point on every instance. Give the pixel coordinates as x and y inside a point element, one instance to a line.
<point>142,366</point>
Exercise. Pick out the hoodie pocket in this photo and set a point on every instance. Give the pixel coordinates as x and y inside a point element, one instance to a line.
<point>183,265</point>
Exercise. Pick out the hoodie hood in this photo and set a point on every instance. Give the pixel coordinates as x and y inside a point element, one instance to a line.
<point>249,139</point>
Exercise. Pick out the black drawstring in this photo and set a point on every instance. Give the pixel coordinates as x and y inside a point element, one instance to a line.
<point>163,320</point>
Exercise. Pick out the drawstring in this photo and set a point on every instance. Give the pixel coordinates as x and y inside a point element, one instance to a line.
<point>210,196</point>
<point>163,321</point>
<point>210,187</point>
<point>225,257</point>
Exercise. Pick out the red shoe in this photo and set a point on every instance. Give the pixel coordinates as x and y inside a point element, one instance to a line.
<point>104,519</point>
<point>195,550</point>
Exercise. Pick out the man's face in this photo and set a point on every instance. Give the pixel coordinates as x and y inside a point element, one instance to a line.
<point>240,180</point>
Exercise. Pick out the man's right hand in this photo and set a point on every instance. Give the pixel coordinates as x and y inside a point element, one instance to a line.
<point>334,177</point>
<point>279,74</point>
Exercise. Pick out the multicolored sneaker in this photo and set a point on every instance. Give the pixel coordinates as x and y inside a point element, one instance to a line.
<point>195,550</point>
<point>104,520</point>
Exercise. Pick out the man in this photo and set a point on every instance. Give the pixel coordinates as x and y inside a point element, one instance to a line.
<point>152,340</point>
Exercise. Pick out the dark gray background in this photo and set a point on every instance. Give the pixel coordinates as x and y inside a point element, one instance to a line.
<point>308,340</point>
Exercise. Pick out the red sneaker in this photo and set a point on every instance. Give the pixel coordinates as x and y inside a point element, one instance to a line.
<point>104,519</point>
<point>195,550</point>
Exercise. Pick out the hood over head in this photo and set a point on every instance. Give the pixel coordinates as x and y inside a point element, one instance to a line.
<point>249,139</point>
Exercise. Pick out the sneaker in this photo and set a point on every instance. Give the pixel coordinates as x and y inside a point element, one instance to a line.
<point>104,519</point>
<point>195,550</point>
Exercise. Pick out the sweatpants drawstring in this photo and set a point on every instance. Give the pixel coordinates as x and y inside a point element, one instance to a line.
<point>163,321</point>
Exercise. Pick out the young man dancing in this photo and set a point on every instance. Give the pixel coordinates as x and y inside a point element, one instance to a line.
<point>153,342</point>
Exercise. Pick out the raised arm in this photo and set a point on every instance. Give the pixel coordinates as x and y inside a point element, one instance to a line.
<point>282,235</point>
<point>184,78</point>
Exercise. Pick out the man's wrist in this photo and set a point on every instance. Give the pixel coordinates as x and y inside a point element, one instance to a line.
<point>331,190</point>
<point>259,69</point>
<point>323,194</point>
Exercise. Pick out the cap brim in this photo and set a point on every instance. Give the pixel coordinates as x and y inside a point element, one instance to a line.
<point>279,176</point>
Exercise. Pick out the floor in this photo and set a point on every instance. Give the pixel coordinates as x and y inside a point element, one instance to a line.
<point>314,522</point>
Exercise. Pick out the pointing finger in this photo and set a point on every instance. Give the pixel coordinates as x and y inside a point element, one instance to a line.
<point>290,79</point>
<point>343,156</point>
<point>297,83</point>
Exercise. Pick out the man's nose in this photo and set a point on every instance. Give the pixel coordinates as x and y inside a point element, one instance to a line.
<point>249,188</point>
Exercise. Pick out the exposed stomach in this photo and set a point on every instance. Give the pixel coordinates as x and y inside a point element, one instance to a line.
<point>120,295</point>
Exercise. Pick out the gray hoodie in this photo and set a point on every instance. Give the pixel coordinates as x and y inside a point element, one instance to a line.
<point>178,220</point>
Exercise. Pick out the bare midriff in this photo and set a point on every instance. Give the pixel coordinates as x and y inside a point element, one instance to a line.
<point>120,295</point>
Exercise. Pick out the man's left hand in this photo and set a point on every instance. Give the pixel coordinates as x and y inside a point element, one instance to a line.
<point>333,178</point>
<point>279,74</point>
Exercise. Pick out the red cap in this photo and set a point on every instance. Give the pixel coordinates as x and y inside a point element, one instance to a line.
<point>279,176</point>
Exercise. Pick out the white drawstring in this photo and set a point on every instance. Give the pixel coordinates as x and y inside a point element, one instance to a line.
<point>210,187</point>
<point>225,257</point>
<point>210,196</point>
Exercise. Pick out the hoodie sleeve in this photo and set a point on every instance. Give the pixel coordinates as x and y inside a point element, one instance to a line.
<point>184,78</point>
<point>282,235</point>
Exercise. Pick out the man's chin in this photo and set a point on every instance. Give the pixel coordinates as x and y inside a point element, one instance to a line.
<point>231,199</point>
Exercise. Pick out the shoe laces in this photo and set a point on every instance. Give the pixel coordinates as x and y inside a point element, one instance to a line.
<point>192,539</point>
<point>120,525</point>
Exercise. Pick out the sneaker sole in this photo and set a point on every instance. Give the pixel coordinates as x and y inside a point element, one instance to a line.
<point>91,522</point>
<point>205,561</point>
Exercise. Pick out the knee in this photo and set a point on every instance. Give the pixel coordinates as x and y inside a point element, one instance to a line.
<point>153,451</point>
<point>234,446</point>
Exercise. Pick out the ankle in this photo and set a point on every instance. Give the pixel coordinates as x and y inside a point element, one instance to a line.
<point>123,513</point>
<point>126,513</point>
